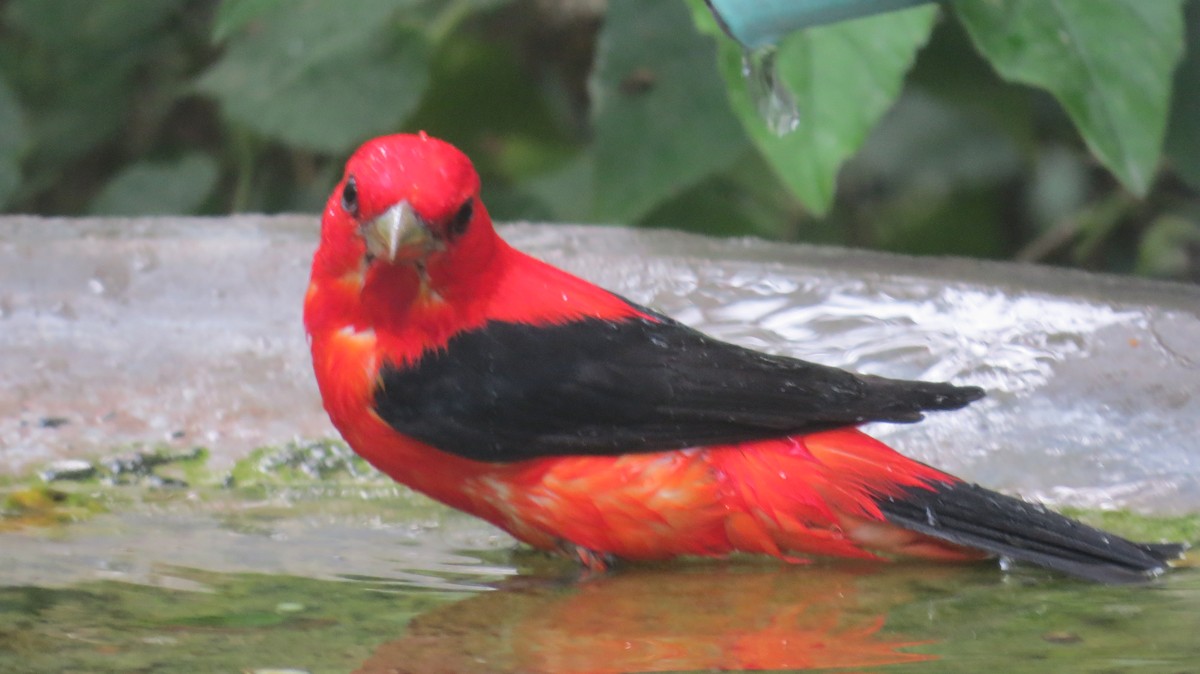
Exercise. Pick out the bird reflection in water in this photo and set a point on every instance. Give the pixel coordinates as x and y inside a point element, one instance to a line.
<point>723,618</point>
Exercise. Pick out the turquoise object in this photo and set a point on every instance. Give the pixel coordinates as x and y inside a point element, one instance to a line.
<point>758,23</point>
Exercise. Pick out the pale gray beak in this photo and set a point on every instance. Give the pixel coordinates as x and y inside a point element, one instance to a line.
<point>399,235</point>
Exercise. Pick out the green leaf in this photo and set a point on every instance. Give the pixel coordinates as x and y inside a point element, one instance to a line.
<point>154,188</point>
<point>322,75</point>
<point>13,142</point>
<point>98,25</point>
<point>843,77</point>
<point>1108,63</point>
<point>662,120</point>
<point>77,66</point>
<point>1168,246</point>
<point>441,17</point>
<point>1183,138</point>
<point>234,15</point>
<point>567,191</point>
<point>481,99</point>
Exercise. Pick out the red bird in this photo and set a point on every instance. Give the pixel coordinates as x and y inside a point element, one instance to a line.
<point>581,422</point>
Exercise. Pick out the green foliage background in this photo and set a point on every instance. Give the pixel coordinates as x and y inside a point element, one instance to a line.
<point>1065,131</point>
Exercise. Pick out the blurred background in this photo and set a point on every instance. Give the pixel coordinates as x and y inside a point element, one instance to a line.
<point>978,128</point>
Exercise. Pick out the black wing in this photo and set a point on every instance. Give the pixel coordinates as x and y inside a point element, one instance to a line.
<point>509,391</point>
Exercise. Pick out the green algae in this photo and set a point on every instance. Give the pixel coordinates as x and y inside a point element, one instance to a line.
<point>300,463</point>
<point>1160,528</point>
<point>45,506</point>
<point>59,496</point>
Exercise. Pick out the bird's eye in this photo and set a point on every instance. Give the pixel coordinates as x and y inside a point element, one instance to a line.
<point>350,197</point>
<point>458,224</point>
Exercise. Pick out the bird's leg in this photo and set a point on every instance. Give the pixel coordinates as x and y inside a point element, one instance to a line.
<point>593,562</point>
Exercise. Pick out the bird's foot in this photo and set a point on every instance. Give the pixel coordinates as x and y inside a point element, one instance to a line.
<point>593,563</point>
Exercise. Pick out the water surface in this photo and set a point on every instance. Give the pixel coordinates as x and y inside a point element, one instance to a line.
<point>369,579</point>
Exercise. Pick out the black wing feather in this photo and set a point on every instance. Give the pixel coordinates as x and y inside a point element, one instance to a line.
<point>510,391</point>
<point>970,515</point>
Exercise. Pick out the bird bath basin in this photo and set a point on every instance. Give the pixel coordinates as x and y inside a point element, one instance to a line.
<point>127,344</point>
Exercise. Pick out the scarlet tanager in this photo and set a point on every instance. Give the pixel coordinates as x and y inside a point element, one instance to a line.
<point>581,422</point>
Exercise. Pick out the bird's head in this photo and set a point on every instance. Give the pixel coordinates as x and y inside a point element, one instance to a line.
<point>406,205</point>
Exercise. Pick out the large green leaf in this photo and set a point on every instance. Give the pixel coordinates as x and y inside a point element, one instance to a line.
<point>843,77</point>
<point>13,140</point>
<point>154,188</point>
<point>568,192</point>
<point>103,25</point>
<point>661,116</point>
<point>1108,63</point>
<point>77,66</point>
<point>322,75</point>
<point>1183,138</point>
<point>234,15</point>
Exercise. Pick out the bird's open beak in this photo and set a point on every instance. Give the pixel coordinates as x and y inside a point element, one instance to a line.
<point>399,235</point>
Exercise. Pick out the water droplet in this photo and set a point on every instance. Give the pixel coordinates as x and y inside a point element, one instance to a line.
<point>931,517</point>
<point>774,101</point>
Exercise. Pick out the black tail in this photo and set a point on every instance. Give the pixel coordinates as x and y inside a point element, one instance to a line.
<point>969,515</point>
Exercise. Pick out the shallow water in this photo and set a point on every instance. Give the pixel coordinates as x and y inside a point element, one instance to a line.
<point>367,578</point>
